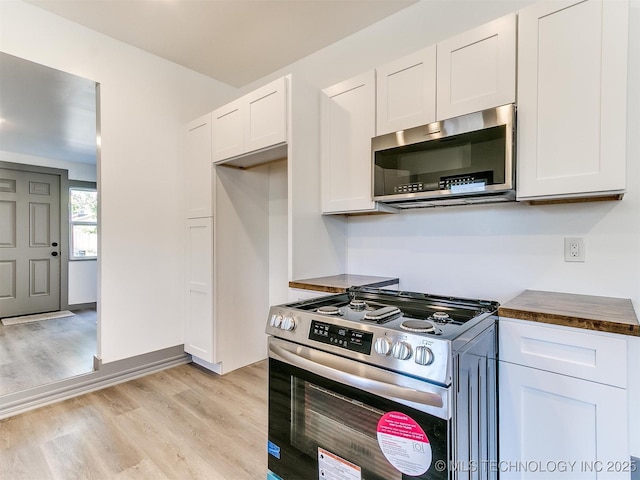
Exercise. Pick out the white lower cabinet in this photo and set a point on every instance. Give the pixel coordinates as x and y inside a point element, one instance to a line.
<point>549,422</point>
<point>199,287</point>
<point>553,425</point>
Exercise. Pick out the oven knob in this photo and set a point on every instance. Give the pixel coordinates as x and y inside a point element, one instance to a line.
<point>401,350</point>
<point>276,320</point>
<point>382,346</point>
<point>424,355</point>
<point>288,323</point>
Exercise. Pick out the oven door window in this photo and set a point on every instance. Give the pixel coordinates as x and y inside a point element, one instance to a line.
<point>323,429</point>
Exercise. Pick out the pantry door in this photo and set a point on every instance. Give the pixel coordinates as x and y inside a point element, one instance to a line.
<point>30,253</point>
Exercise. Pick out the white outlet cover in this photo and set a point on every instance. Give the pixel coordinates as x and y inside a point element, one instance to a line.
<point>574,250</point>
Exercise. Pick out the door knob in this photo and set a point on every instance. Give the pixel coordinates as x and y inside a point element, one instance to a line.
<point>54,244</point>
<point>54,254</point>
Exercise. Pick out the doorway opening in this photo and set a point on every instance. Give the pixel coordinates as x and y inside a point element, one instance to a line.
<point>48,146</point>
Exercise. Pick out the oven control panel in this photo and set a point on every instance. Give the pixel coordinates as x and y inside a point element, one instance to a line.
<point>349,338</point>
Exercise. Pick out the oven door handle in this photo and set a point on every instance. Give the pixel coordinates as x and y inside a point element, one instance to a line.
<point>366,377</point>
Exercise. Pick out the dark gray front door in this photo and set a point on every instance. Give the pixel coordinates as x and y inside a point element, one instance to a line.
<point>29,243</point>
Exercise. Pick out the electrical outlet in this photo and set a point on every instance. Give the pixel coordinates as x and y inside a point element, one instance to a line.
<point>574,250</point>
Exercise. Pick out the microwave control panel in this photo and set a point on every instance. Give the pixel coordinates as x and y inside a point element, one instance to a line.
<point>477,178</point>
<point>349,338</point>
<point>415,187</point>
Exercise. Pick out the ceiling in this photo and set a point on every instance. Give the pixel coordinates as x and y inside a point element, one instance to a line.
<point>48,113</point>
<point>233,41</point>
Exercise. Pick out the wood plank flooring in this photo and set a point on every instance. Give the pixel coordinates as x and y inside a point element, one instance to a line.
<point>38,353</point>
<point>180,423</point>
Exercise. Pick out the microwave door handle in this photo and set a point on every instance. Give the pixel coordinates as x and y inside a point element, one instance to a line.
<point>351,373</point>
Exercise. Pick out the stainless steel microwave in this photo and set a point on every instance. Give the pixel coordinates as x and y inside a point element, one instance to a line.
<point>467,159</point>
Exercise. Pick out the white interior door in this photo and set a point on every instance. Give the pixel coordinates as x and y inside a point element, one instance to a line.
<point>29,243</point>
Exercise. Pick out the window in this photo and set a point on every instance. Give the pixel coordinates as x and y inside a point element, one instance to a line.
<point>83,223</point>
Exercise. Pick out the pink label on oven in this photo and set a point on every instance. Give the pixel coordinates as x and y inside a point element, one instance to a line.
<point>401,425</point>
<point>404,443</point>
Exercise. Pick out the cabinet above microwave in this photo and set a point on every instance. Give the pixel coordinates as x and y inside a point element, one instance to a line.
<point>466,159</point>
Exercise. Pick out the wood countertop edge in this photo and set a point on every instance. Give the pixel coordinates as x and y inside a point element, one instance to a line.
<point>607,326</point>
<point>335,289</point>
<point>316,288</point>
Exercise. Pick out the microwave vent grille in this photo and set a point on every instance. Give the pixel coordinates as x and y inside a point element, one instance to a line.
<point>456,201</point>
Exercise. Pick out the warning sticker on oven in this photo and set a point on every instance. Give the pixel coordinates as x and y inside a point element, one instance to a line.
<point>404,443</point>
<point>332,467</point>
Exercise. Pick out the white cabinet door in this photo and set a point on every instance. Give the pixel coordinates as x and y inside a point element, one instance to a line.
<point>477,69</point>
<point>548,420</point>
<point>348,124</point>
<point>572,59</point>
<point>228,131</point>
<point>198,167</point>
<point>198,339</point>
<point>265,114</point>
<point>406,92</point>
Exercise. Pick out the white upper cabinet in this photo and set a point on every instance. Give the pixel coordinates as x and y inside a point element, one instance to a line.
<point>254,122</point>
<point>348,124</point>
<point>476,69</point>
<point>265,118</point>
<point>406,92</point>
<point>198,167</point>
<point>228,131</point>
<point>572,59</point>
<point>262,227</point>
<point>470,72</point>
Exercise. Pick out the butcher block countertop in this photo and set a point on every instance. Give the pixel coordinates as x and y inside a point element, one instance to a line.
<point>603,314</point>
<point>340,283</point>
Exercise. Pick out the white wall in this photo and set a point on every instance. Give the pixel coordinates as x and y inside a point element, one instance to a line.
<point>144,102</point>
<point>419,25</point>
<point>492,252</point>
<point>83,282</point>
<point>278,241</point>
<point>633,155</point>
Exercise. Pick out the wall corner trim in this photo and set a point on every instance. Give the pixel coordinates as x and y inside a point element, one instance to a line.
<point>106,375</point>
<point>635,464</point>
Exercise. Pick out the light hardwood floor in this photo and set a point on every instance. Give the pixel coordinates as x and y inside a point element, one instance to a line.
<point>181,423</point>
<point>38,353</point>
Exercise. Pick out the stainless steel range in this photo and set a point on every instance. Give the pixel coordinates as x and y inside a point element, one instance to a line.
<point>381,385</point>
